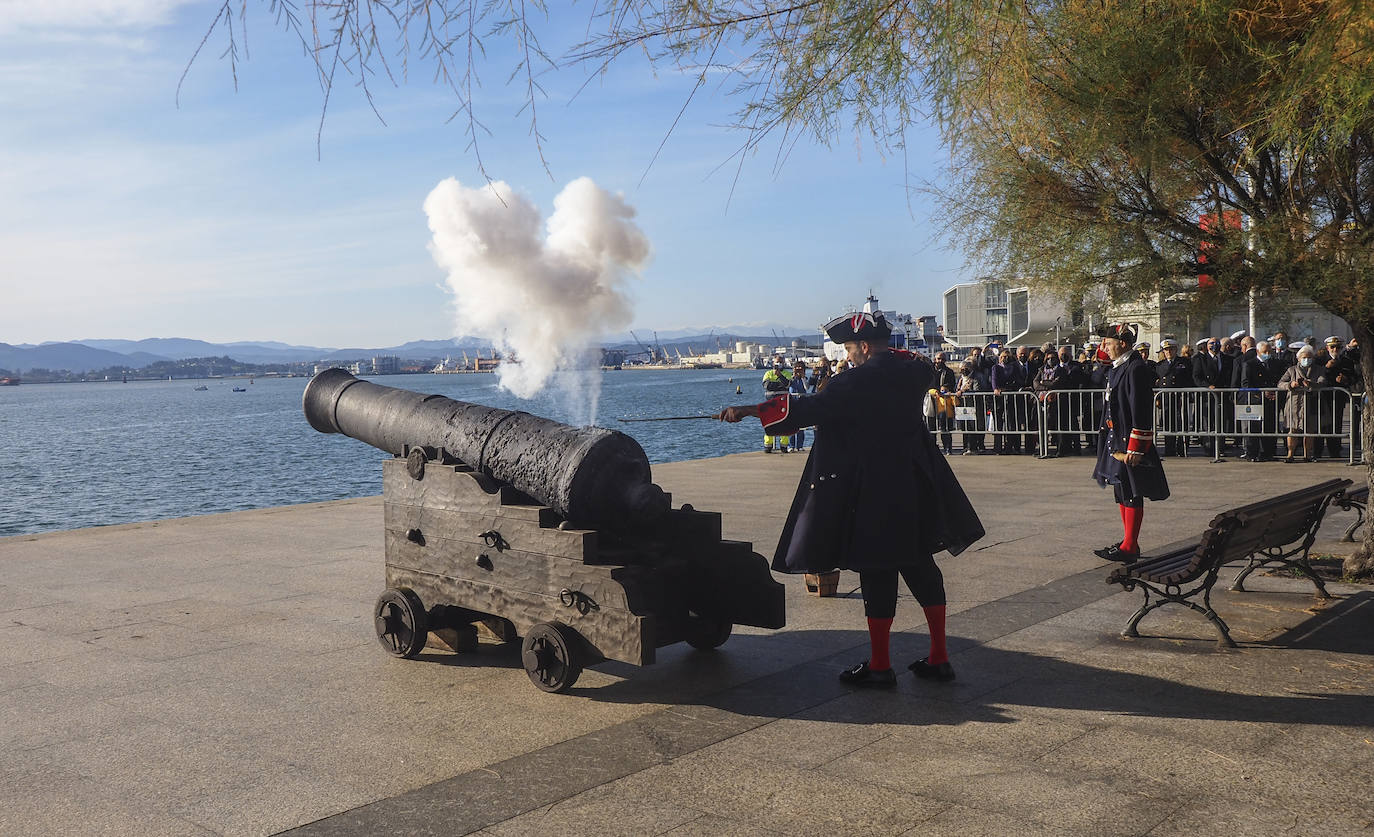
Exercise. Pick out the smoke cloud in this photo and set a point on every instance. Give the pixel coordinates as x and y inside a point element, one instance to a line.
<point>548,295</point>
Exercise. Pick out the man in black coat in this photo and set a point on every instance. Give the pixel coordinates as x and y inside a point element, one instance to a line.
<point>1174,372</point>
<point>1251,373</point>
<point>1126,456</point>
<point>1212,369</point>
<point>876,495</point>
<point>1345,374</point>
<point>944,383</point>
<point>1075,380</point>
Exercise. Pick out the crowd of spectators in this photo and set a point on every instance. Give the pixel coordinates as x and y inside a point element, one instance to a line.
<point>1301,389</point>
<point>1297,393</point>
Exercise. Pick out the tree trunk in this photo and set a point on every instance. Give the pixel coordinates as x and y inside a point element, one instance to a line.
<point>1361,563</point>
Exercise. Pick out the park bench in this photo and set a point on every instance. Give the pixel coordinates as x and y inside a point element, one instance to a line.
<point>1356,500</point>
<point>1279,530</point>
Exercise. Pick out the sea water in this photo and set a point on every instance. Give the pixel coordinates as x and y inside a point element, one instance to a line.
<point>92,454</point>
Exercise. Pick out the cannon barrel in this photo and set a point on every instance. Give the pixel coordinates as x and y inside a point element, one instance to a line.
<point>589,475</point>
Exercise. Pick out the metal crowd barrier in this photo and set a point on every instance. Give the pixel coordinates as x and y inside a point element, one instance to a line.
<point>1254,420</point>
<point>1065,422</point>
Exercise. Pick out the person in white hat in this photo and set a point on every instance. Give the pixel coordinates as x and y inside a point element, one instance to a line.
<point>1174,372</point>
<point>1212,368</point>
<point>1343,373</point>
<point>1302,382</point>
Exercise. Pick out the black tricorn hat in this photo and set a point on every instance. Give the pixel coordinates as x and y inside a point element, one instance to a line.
<point>860,325</point>
<point>1125,332</point>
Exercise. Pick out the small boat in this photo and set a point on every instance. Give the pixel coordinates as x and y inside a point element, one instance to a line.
<point>240,389</point>
<point>202,388</point>
<point>9,382</point>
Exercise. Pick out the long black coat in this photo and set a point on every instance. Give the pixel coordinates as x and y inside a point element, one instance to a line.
<point>1130,405</point>
<point>876,492</point>
<point>1206,372</point>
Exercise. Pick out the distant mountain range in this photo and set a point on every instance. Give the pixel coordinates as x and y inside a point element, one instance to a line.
<point>92,355</point>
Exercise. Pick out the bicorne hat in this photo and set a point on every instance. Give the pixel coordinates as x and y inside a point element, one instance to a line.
<point>1125,332</point>
<point>860,325</point>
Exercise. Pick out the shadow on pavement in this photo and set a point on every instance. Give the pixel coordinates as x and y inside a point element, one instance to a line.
<point>1345,627</point>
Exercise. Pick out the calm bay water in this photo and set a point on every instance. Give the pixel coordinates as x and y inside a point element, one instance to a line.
<point>75,455</point>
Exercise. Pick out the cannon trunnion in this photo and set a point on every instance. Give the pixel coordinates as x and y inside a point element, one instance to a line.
<point>465,551</point>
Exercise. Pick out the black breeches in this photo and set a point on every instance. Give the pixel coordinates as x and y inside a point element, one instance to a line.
<point>1124,499</point>
<point>923,579</point>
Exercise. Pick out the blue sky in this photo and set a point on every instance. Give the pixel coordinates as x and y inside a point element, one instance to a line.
<point>124,216</point>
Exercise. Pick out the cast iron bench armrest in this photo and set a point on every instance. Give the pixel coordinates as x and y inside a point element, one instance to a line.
<point>1358,501</point>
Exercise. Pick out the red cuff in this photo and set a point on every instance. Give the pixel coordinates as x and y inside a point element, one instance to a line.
<point>775,410</point>
<point>1140,441</point>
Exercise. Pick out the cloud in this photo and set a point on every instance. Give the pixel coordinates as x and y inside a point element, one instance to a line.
<point>68,15</point>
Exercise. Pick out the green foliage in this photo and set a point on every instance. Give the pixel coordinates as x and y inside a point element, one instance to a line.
<point>1104,134</point>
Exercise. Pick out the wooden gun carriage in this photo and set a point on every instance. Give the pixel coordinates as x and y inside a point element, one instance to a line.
<point>467,550</point>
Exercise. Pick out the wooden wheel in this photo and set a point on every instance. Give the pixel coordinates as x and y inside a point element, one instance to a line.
<point>706,633</point>
<point>552,655</point>
<point>399,618</point>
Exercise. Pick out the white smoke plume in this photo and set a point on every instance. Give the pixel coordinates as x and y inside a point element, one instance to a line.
<point>546,296</point>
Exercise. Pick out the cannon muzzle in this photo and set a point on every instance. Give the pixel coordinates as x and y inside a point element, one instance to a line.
<point>589,475</point>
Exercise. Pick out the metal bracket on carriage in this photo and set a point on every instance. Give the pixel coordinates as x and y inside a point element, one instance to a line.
<point>493,539</point>
<point>577,600</point>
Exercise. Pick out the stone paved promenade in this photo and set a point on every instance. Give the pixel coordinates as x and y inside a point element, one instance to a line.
<point>219,675</point>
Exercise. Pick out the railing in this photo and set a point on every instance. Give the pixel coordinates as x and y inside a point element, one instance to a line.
<point>1255,419</point>
<point>1065,422</point>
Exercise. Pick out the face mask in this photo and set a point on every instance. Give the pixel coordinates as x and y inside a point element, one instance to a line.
<point>1305,362</point>
<point>1279,344</point>
<point>1264,356</point>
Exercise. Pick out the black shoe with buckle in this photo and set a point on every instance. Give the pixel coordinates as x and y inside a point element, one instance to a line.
<point>1116,553</point>
<point>862,675</point>
<point>922,668</point>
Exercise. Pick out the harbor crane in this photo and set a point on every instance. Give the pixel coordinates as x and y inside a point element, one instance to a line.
<point>644,350</point>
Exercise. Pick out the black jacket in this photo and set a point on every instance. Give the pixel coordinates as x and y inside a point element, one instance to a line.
<point>1206,373</point>
<point>1250,372</point>
<point>876,492</point>
<point>1130,406</point>
<point>945,380</point>
<point>1175,374</point>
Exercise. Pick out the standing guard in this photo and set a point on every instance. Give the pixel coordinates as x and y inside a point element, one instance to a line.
<point>1126,455</point>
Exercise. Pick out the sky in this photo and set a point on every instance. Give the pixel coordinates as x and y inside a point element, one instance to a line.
<point>129,209</point>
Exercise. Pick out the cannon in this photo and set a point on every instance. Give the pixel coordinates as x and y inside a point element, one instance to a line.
<point>505,525</point>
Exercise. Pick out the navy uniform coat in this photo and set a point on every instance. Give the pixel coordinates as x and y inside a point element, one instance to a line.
<point>1130,406</point>
<point>876,492</point>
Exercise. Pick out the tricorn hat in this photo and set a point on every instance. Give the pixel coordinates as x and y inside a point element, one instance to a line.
<point>860,325</point>
<point>1125,332</point>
